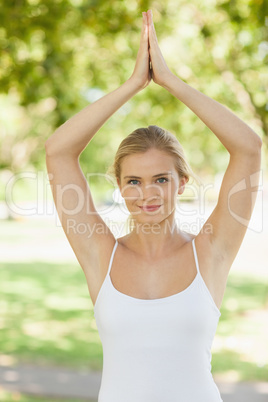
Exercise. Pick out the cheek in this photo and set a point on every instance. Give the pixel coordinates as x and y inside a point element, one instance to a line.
<point>170,198</point>
<point>169,192</point>
<point>131,193</point>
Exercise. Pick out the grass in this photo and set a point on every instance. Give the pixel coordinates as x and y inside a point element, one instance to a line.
<point>46,314</point>
<point>6,396</point>
<point>242,330</point>
<point>47,319</point>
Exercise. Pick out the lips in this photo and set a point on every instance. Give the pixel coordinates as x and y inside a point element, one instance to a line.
<point>150,207</point>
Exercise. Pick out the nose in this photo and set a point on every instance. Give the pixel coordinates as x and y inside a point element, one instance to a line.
<point>150,192</point>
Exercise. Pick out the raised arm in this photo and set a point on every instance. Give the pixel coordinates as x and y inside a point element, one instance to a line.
<point>88,235</point>
<point>228,223</point>
<point>74,135</point>
<point>235,135</point>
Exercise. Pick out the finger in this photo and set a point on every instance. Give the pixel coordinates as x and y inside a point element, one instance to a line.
<point>144,31</point>
<point>152,32</point>
<point>152,28</point>
<point>144,40</point>
<point>144,16</point>
<point>150,17</point>
<point>144,37</point>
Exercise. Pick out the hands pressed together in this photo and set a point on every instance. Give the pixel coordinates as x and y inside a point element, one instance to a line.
<point>150,63</point>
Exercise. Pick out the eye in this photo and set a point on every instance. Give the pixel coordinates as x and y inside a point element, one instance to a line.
<point>134,182</point>
<point>163,178</point>
<point>130,181</point>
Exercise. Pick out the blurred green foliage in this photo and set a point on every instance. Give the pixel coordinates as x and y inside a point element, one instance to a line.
<point>58,56</point>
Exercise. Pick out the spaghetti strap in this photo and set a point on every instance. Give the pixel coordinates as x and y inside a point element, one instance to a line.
<point>112,257</point>
<point>195,256</point>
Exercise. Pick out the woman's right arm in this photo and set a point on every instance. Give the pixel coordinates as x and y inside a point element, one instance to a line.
<point>72,137</point>
<point>87,233</point>
<point>89,236</point>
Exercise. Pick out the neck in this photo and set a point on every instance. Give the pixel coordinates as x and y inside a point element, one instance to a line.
<point>154,239</point>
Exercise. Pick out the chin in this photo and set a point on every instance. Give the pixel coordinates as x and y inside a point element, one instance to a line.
<point>146,218</point>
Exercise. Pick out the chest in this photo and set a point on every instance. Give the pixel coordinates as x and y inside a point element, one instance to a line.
<point>155,279</point>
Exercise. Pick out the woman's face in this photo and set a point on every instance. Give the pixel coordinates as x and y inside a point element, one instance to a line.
<point>150,184</point>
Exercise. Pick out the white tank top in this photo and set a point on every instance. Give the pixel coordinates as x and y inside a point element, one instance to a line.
<point>157,350</point>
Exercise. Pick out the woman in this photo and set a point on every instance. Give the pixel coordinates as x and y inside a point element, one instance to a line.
<point>156,291</point>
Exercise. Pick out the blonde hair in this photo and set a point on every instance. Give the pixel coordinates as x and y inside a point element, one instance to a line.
<point>145,138</point>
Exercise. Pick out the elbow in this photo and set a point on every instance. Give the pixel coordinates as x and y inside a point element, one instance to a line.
<point>256,146</point>
<point>47,144</point>
<point>260,142</point>
<point>52,145</point>
<point>251,148</point>
<point>52,149</point>
<point>55,149</point>
<point>49,147</point>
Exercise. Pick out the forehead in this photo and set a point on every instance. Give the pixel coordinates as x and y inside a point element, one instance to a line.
<point>151,162</point>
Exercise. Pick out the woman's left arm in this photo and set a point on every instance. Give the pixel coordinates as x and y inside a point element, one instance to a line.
<point>224,230</point>
<point>229,221</point>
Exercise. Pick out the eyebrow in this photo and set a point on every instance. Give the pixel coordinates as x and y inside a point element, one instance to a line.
<point>156,175</point>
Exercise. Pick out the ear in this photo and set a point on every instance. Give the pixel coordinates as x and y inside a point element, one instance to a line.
<point>182,184</point>
<point>118,183</point>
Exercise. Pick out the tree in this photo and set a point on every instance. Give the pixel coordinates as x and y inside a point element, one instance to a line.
<point>58,56</point>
